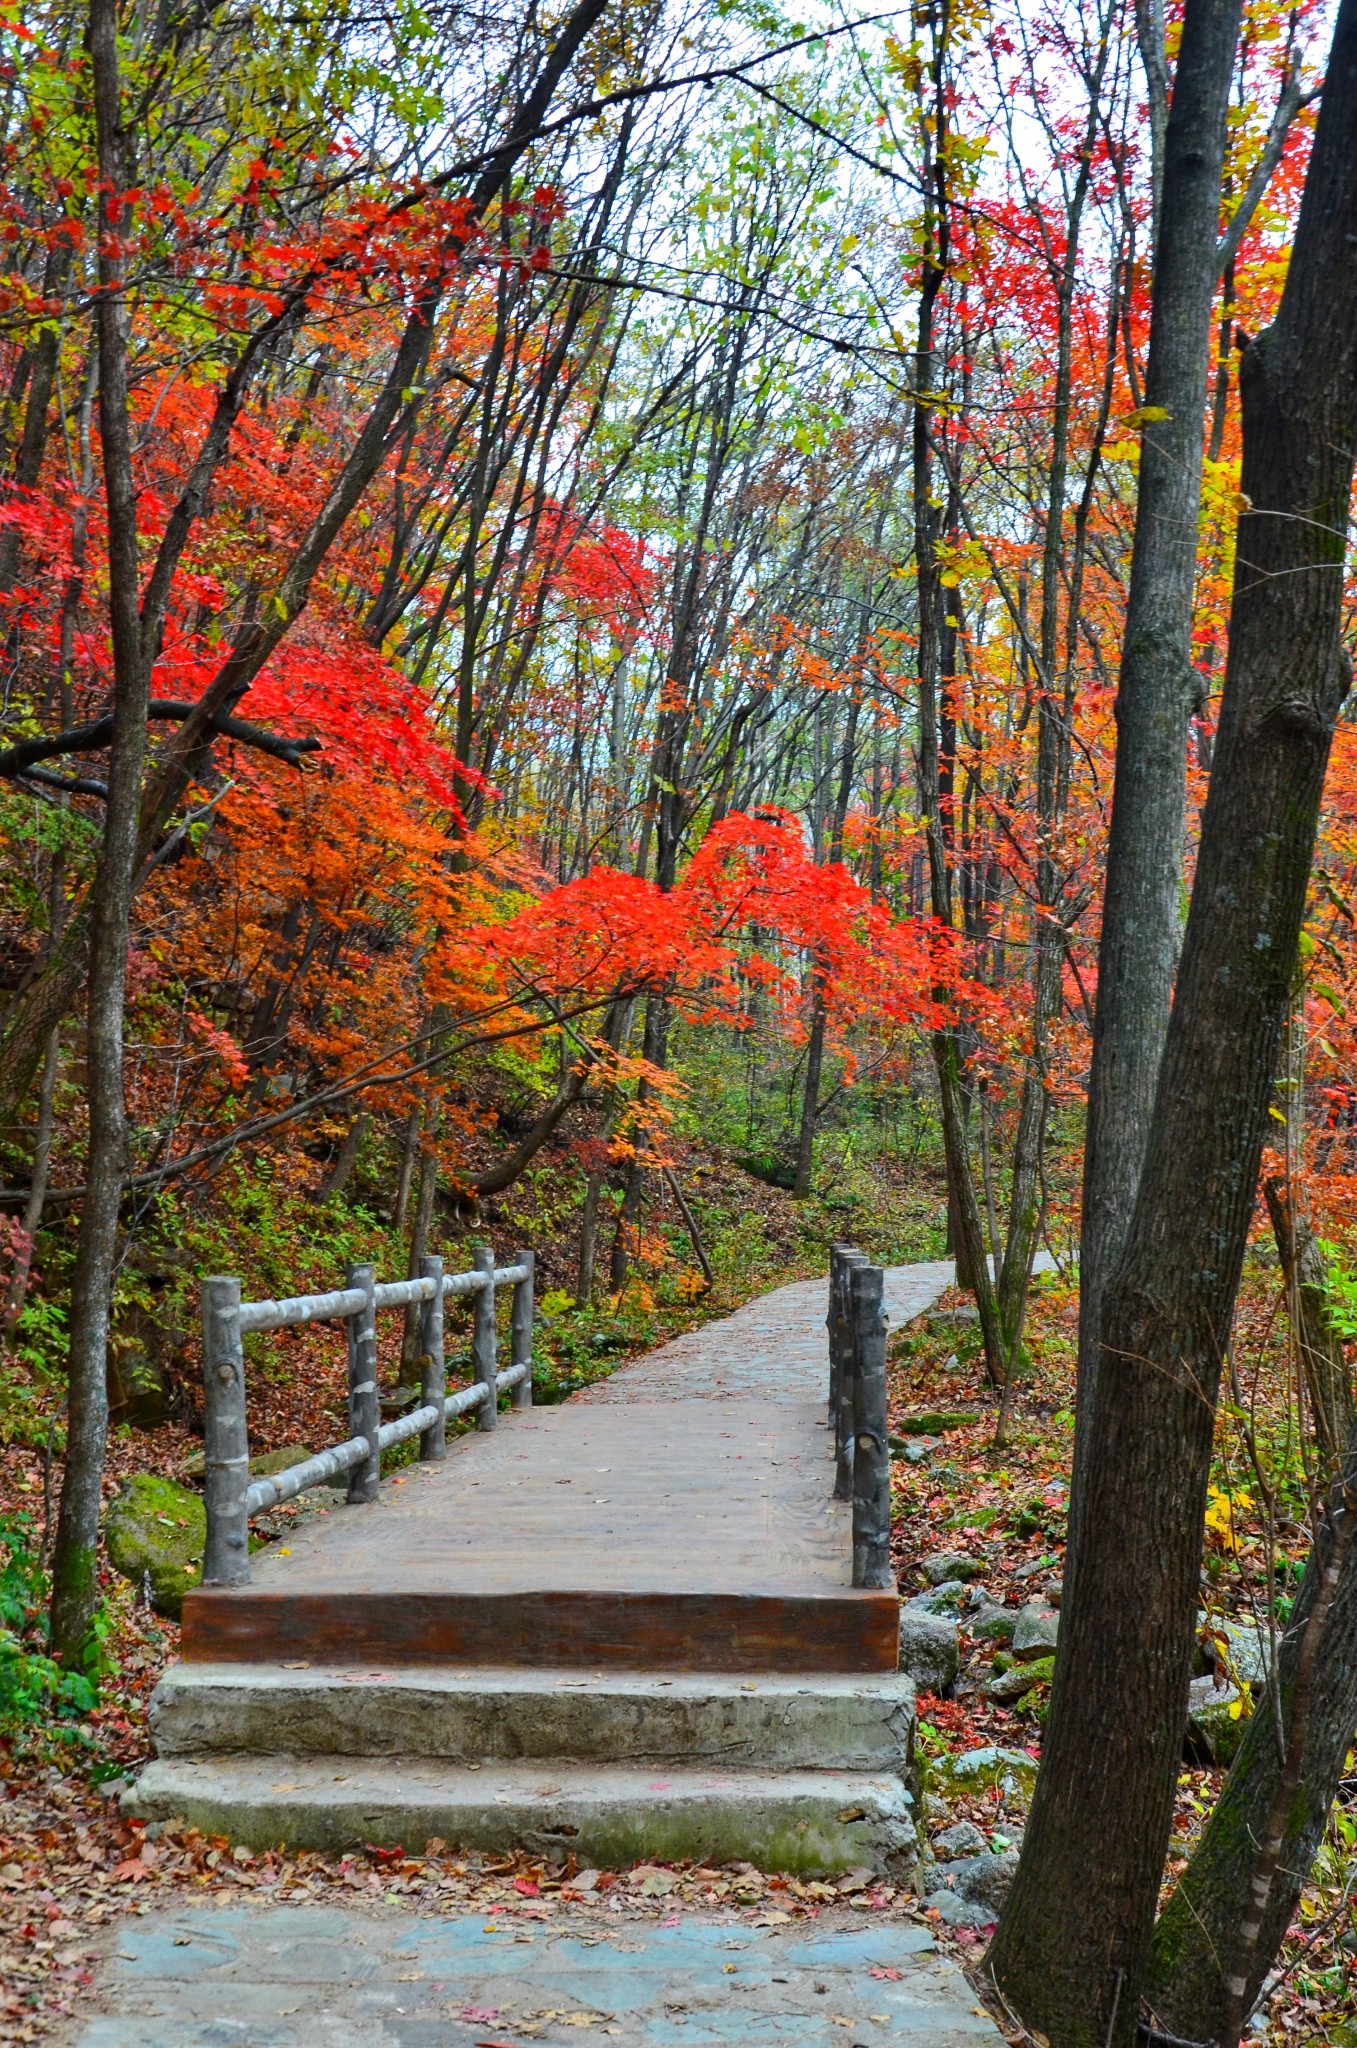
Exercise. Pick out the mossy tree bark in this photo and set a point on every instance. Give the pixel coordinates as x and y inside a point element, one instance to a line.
<point>1072,1948</point>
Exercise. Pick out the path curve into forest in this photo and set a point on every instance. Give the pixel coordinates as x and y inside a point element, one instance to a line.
<point>774,1348</point>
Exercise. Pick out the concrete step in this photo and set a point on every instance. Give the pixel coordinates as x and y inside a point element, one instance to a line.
<point>607,1815</point>
<point>772,1722</point>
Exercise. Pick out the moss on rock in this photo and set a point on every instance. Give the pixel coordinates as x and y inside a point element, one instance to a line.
<point>156,1530</point>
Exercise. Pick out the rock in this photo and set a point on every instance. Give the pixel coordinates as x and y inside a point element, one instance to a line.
<point>935,1808</point>
<point>928,1649</point>
<point>962,1839</point>
<point>936,1422</point>
<point>952,1318</point>
<point>269,1462</point>
<point>993,1622</point>
<point>1018,1681</point>
<point>918,1448</point>
<point>943,1599</point>
<point>1213,1731</point>
<point>945,1565</point>
<point>156,1530</point>
<point>983,1880</point>
<point>1243,1647</point>
<point>1035,1632</point>
<point>262,1467</point>
<point>958,1912</point>
<point>1012,1770</point>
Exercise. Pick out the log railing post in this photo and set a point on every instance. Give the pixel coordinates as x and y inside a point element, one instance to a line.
<point>520,1329</point>
<point>836,1324</point>
<point>871,1450</point>
<point>483,1340</point>
<point>365,1415</point>
<point>433,1374</point>
<point>850,1261</point>
<point>226,1553</point>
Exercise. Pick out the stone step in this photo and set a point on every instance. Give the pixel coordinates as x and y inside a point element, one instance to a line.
<point>608,1816</point>
<point>831,1721</point>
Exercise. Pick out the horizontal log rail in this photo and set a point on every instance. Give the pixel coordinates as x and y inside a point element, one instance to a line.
<point>232,1497</point>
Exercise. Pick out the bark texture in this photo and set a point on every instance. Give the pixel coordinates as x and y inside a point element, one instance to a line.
<point>1074,1936</point>
<point>74,1576</point>
<point>1158,688</point>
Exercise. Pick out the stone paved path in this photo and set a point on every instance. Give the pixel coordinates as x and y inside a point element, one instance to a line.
<point>319,1977</point>
<point>302,1976</point>
<point>772,1348</point>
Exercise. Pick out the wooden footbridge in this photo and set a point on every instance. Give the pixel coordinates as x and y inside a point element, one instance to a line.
<point>656,1620</point>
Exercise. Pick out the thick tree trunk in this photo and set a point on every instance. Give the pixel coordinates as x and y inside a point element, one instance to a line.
<point>1158,687</point>
<point>1073,1939</point>
<point>74,1571</point>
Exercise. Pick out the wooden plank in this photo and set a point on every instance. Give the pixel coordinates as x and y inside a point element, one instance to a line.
<point>667,1631</point>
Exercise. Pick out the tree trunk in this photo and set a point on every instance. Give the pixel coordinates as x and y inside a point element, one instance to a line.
<point>345,1159</point>
<point>1328,1384</point>
<point>1197,1938</point>
<point>1073,1938</point>
<point>965,1231</point>
<point>405,1180</point>
<point>74,1570</point>
<point>810,1098</point>
<point>1158,688</point>
<point>419,1244</point>
<point>1055,712</point>
<point>584,1278</point>
<point>654,1046</point>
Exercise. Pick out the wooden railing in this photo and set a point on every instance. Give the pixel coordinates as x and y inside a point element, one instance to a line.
<point>231,1496</point>
<point>857,1408</point>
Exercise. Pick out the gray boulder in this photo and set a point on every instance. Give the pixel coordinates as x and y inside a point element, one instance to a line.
<point>946,1565</point>
<point>975,1770</point>
<point>954,1911</point>
<point>928,1649</point>
<point>943,1599</point>
<point>1244,1647</point>
<point>984,1880</point>
<point>991,1620</point>
<point>1035,1631</point>
<point>1019,1679</point>
<point>155,1532</point>
<point>1215,1720</point>
<point>963,1839</point>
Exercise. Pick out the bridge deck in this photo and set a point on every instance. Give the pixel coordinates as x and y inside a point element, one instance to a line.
<point>678,1518</point>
